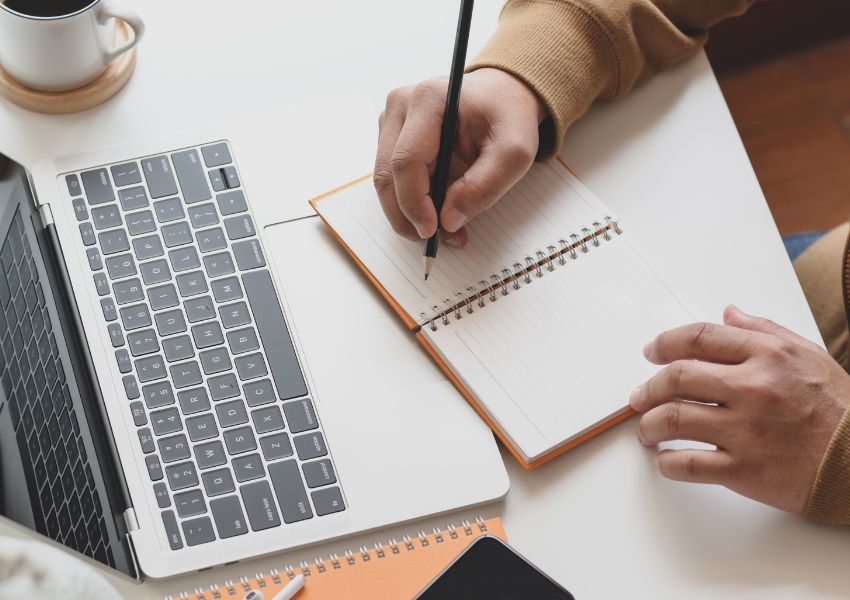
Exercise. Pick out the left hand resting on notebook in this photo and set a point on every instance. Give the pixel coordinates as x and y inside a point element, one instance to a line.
<point>767,398</point>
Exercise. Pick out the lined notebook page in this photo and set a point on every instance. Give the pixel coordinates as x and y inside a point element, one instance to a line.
<point>547,205</point>
<point>562,353</point>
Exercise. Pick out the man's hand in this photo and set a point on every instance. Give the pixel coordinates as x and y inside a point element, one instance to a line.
<point>496,143</point>
<point>767,398</point>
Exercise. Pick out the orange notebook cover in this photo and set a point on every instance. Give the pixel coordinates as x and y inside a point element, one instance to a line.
<point>397,570</point>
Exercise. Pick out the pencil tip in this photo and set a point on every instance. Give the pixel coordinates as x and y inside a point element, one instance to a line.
<point>426,276</point>
<point>429,263</point>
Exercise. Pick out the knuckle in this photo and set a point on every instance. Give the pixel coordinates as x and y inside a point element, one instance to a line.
<point>382,178</point>
<point>427,90</point>
<point>518,153</point>
<point>676,375</point>
<point>401,160</point>
<point>673,417</point>
<point>701,334</point>
<point>398,96</point>
<point>690,467</point>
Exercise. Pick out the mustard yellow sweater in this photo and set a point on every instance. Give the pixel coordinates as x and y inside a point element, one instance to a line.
<point>573,52</point>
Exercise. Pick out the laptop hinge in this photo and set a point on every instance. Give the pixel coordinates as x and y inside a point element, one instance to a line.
<point>130,521</point>
<point>45,214</point>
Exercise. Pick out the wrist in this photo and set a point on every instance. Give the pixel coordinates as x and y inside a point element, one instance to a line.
<point>519,90</point>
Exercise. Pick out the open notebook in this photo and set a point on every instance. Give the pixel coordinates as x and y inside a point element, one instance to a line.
<point>539,320</point>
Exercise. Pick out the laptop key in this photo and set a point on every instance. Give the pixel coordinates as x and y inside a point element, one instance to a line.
<point>178,348</point>
<point>228,517</point>
<point>218,482</point>
<point>107,306</point>
<point>172,532</point>
<point>128,291</point>
<point>163,500</point>
<point>260,505</point>
<point>328,501</point>
<point>183,259</point>
<point>181,476</point>
<point>300,415</point>
<point>163,296</point>
<point>198,531</point>
<point>125,364</point>
<point>193,401</point>
<point>186,374</point>
<point>216,155</point>
<point>190,173</point>
<point>276,446</point>
<point>133,198</point>
<point>166,421</point>
<point>249,254</point>
<point>234,315</point>
<point>95,261</point>
<point>230,203</point>
<point>135,317</point>
<point>190,504</point>
<point>98,187</point>
<point>215,361</point>
<point>217,180</point>
<point>177,234</point>
<point>319,473</point>
<point>201,428</point>
<point>150,368</point>
<point>199,309</point>
<point>147,247</point>
<point>87,234</point>
<point>231,413</point>
<point>170,322</point>
<point>219,264</point>
<point>146,440</point>
<point>248,468</point>
<point>154,467</point>
<point>231,177</point>
<point>80,209</point>
<point>114,241</point>
<point>227,289</point>
<point>274,333</point>
<point>168,210</point>
<point>311,445</point>
<point>158,394</point>
<point>203,215</point>
<point>126,174</point>
<point>143,342</point>
<point>155,271</point>
<point>290,491</point>
<point>239,441</point>
<point>106,217</point>
<point>242,340</point>
<point>223,387</point>
<point>140,222</point>
<point>267,419</point>
<point>137,409</point>
<point>239,227</point>
<point>120,266</point>
<point>73,183</point>
<point>207,335</point>
<point>210,455</point>
<point>210,240</point>
<point>131,387</point>
<point>116,335</point>
<point>174,448</point>
<point>159,177</point>
<point>192,284</point>
<point>251,366</point>
<point>259,392</point>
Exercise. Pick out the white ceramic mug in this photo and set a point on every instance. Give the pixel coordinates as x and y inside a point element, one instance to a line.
<point>63,52</point>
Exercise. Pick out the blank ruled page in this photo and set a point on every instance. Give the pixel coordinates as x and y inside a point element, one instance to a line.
<point>547,205</point>
<point>562,353</point>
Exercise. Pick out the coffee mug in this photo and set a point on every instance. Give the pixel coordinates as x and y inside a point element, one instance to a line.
<point>56,45</point>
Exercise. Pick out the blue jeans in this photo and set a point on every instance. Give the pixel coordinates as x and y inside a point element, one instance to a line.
<point>796,243</point>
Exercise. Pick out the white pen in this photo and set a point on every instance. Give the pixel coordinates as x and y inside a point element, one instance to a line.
<point>292,588</point>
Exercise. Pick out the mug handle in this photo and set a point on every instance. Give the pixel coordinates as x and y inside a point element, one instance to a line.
<point>110,11</point>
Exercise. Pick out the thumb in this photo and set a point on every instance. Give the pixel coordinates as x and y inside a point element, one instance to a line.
<point>499,165</point>
<point>735,317</point>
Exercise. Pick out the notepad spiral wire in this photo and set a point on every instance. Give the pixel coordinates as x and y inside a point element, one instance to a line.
<point>379,551</point>
<point>520,273</point>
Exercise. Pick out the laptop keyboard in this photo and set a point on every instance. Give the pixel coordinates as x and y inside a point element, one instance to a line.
<point>229,432</point>
<point>68,507</point>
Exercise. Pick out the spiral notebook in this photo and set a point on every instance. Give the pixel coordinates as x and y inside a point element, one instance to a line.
<point>396,570</point>
<point>539,320</point>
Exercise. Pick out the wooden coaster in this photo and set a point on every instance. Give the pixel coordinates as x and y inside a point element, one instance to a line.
<point>110,82</point>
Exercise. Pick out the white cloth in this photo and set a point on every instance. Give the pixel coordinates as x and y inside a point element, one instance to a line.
<point>31,570</point>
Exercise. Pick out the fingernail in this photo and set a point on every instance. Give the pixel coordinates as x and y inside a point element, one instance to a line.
<point>453,242</point>
<point>634,397</point>
<point>420,229</point>
<point>453,220</point>
<point>647,351</point>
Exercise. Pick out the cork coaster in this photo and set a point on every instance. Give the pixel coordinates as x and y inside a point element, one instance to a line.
<point>111,81</point>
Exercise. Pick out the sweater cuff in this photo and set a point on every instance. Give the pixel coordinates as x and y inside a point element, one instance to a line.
<point>559,50</point>
<point>829,501</point>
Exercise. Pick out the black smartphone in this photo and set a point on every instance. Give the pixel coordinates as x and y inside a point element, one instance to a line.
<point>489,569</point>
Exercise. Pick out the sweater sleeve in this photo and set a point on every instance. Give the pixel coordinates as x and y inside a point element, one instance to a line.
<point>573,52</point>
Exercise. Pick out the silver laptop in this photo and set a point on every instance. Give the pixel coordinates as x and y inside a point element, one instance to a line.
<point>171,401</point>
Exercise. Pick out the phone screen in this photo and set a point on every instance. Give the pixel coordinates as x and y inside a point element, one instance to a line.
<point>491,570</point>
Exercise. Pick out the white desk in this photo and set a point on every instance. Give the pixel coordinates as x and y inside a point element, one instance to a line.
<point>598,519</point>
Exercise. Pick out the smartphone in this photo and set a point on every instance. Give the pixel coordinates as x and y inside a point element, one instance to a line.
<point>489,569</point>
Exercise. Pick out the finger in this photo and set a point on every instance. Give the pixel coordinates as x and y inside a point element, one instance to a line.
<point>414,154</point>
<point>679,420</point>
<point>702,341</point>
<point>735,317</point>
<point>696,466</point>
<point>687,380</point>
<point>390,125</point>
<point>456,239</point>
<point>499,166</point>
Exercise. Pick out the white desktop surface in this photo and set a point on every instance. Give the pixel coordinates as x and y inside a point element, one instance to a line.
<point>668,160</point>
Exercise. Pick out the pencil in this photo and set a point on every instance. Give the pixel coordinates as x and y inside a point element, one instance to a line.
<point>440,180</point>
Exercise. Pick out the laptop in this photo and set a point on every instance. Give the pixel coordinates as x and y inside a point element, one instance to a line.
<point>176,394</point>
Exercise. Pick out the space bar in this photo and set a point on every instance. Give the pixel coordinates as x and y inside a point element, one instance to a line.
<point>280,353</point>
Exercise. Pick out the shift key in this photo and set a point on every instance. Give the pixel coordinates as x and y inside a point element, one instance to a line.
<point>193,179</point>
<point>290,492</point>
<point>159,177</point>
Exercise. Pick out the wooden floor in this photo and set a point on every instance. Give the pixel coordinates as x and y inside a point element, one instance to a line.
<point>794,117</point>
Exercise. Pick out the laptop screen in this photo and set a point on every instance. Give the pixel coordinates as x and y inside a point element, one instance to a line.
<point>51,477</point>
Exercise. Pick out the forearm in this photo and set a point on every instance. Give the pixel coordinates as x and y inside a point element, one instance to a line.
<point>572,52</point>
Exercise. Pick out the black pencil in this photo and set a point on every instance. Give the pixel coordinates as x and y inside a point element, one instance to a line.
<point>440,180</point>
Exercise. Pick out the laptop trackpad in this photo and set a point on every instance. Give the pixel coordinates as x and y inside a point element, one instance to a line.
<point>390,415</point>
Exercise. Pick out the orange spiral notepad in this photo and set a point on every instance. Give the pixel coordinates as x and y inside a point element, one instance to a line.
<point>396,570</point>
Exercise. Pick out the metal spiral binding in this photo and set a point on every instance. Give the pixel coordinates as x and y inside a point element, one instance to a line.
<point>380,551</point>
<point>519,273</point>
